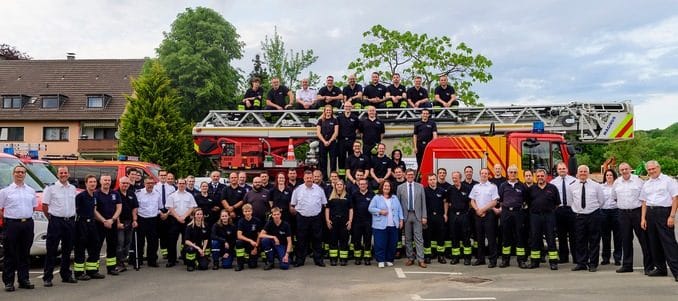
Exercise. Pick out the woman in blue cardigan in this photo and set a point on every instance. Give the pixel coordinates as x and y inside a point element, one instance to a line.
<point>387,218</point>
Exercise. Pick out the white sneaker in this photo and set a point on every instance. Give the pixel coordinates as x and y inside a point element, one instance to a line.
<point>389,264</point>
<point>381,265</point>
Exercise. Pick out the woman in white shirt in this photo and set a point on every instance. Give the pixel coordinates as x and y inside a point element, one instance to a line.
<point>610,226</point>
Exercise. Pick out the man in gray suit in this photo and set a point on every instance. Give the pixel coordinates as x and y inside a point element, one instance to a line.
<point>413,201</point>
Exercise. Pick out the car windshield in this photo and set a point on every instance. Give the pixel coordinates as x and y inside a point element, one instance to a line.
<point>42,171</point>
<point>6,167</point>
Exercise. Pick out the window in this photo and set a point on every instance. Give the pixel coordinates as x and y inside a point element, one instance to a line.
<point>12,134</point>
<point>50,102</point>
<point>55,134</point>
<point>536,155</point>
<point>95,101</point>
<point>12,102</point>
<point>104,133</point>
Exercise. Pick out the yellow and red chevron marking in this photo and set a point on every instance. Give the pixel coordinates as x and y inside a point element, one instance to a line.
<point>477,146</point>
<point>625,128</point>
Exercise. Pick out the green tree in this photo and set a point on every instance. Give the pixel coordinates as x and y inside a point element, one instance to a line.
<point>151,126</point>
<point>412,54</point>
<point>258,71</point>
<point>8,52</point>
<point>197,54</point>
<point>287,65</point>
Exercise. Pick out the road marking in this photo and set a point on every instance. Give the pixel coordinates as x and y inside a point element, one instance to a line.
<point>401,274</point>
<point>417,297</point>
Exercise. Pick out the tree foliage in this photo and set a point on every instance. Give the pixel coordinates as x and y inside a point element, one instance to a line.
<point>412,54</point>
<point>197,54</point>
<point>287,65</point>
<point>8,52</point>
<point>151,126</point>
<point>660,145</point>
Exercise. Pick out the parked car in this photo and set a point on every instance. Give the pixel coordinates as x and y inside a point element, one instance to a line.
<point>79,169</point>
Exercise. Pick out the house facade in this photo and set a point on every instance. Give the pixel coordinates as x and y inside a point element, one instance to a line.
<point>64,107</point>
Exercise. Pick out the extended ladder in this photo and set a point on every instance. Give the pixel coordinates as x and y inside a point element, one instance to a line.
<point>589,122</point>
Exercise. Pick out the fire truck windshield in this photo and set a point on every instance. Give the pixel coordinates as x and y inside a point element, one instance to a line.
<point>540,155</point>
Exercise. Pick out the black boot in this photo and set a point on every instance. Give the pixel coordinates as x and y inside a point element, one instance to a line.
<point>454,260</point>
<point>343,262</point>
<point>522,264</point>
<point>368,261</point>
<point>333,261</point>
<point>358,261</point>
<point>534,263</point>
<point>240,264</point>
<point>427,260</point>
<point>441,259</point>
<point>467,260</point>
<point>505,261</point>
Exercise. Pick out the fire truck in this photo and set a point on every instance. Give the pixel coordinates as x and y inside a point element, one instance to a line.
<point>532,136</point>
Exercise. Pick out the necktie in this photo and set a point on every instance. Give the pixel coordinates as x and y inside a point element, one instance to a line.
<point>164,200</point>
<point>410,197</point>
<point>583,195</point>
<point>564,197</point>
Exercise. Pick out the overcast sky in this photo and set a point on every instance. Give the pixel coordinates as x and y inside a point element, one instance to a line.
<point>543,51</point>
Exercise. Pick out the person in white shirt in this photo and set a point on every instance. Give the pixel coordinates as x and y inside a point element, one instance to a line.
<point>306,97</point>
<point>484,197</point>
<point>626,190</point>
<point>58,204</point>
<point>16,206</point>
<point>658,216</point>
<point>586,198</point>
<point>564,215</point>
<point>150,205</point>
<point>306,204</point>
<point>180,204</point>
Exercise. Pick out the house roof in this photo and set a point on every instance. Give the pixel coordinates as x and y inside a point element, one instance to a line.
<point>74,79</point>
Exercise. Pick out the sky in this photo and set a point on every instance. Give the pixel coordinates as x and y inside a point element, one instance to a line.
<point>543,51</point>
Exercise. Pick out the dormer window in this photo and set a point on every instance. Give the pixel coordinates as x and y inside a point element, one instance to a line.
<point>14,101</point>
<point>53,101</point>
<point>98,101</point>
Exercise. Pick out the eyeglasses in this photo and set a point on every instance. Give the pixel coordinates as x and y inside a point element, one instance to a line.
<point>20,172</point>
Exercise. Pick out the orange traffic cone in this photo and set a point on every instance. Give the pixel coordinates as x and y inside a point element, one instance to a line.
<point>290,152</point>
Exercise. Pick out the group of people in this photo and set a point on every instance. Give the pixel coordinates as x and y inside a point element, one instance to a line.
<point>396,95</point>
<point>235,224</point>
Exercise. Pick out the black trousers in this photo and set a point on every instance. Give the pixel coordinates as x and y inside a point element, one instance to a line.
<point>486,227</point>
<point>18,242</point>
<point>344,149</point>
<point>163,233</point>
<point>543,225</point>
<point>565,229</point>
<point>339,237</point>
<point>629,222</point>
<point>323,161</point>
<point>243,254</point>
<point>420,151</point>
<point>662,239</point>
<point>176,229</point>
<point>512,221</point>
<point>111,237</point>
<point>610,234</point>
<point>59,230</point>
<point>459,227</point>
<point>147,236</point>
<point>309,229</point>
<point>362,239</point>
<point>86,239</point>
<point>434,231</point>
<point>587,237</point>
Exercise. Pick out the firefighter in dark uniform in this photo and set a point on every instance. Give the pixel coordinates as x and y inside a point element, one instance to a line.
<point>381,167</point>
<point>543,199</point>
<point>356,161</point>
<point>108,208</point>
<point>253,99</point>
<point>327,131</point>
<point>445,96</point>
<point>329,94</point>
<point>442,183</point>
<point>512,199</point>
<point>86,233</point>
<point>469,183</point>
<point>362,224</point>
<point>232,197</point>
<point>373,94</point>
<point>339,218</point>
<point>417,96</point>
<point>16,207</point>
<point>437,218</point>
<point>280,196</point>
<point>348,127</point>
<point>223,236</point>
<point>210,206</point>
<point>372,129</point>
<point>276,240</point>
<point>247,243</point>
<point>353,93</point>
<point>459,225</point>
<point>127,222</point>
<point>396,95</point>
<point>196,244</point>
<point>259,199</point>
<point>425,130</point>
